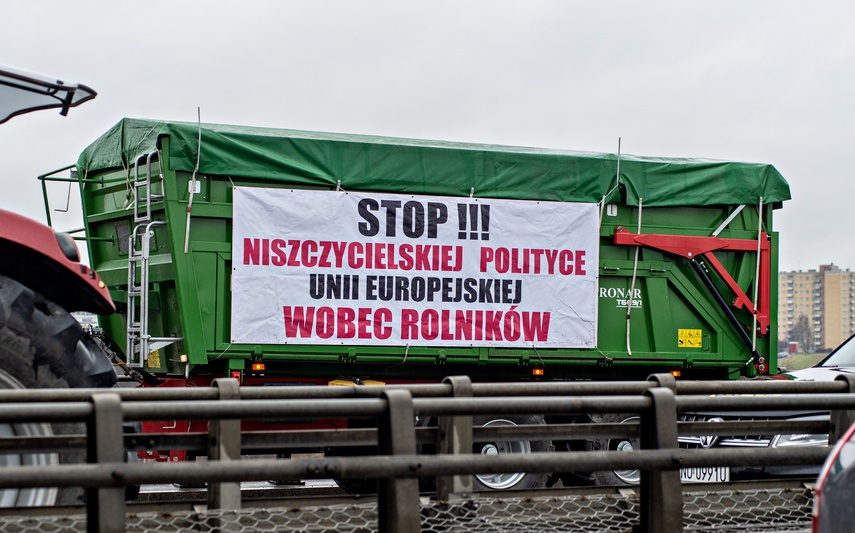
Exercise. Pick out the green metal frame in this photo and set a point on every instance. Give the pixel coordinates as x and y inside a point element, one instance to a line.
<point>191,294</point>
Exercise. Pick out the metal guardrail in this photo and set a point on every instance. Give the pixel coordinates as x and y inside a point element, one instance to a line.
<point>397,465</point>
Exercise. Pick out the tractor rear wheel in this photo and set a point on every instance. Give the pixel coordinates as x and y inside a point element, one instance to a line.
<point>37,340</point>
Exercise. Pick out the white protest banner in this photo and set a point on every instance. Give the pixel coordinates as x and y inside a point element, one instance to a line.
<point>332,267</point>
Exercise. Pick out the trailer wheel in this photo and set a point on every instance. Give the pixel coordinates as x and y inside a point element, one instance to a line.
<point>358,486</point>
<point>36,338</point>
<point>511,480</point>
<point>617,477</point>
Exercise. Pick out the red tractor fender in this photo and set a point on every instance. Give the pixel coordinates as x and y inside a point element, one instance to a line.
<point>49,262</point>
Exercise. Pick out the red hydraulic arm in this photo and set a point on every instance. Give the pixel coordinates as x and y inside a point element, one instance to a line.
<point>691,247</point>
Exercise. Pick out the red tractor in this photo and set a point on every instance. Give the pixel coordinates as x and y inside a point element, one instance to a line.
<point>41,282</point>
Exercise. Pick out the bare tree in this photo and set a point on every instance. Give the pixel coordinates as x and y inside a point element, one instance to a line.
<point>802,334</point>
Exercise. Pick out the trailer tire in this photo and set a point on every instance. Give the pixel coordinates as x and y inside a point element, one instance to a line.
<point>357,486</point>
<point>617,477</point>
<point>516,480</point>
<point>37,338</point>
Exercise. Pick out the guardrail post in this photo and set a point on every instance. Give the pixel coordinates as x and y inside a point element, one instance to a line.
<point>661,490</point>
<point>224,445</point>
<point>841,419</point>
<point>664,380</point>
<point>398,498</point>
<point>454,436</point>
<point>105,506</point>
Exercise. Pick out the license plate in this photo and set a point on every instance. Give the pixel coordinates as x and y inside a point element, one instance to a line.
<point>705,474</point>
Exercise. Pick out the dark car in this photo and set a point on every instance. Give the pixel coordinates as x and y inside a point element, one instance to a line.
<point>759,441</point>
<point>840,361</point>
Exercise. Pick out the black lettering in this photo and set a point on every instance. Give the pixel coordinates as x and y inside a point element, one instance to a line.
<point>447,289</point>
<point>470,286</point>
<point>386,288</point>
<point>485,290</point>
<point>433,286</point>
<point>316,286</point>
<point>414,219</point>
<point>402,285</point>
<point>371,226</point>
<point>334,287</point>
<point>391,215</point>
<point>418,289</point>
<point>437,214</point>
<point>370,287</point>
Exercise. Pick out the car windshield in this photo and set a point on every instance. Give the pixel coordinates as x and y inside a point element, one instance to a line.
<point>844,355</point>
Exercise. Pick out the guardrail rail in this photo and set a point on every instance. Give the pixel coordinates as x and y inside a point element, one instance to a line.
<point>660,502</point>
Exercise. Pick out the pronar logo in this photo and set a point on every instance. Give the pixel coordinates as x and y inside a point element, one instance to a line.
<point>622,297</point>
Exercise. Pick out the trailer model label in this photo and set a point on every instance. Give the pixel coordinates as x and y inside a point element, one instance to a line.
<point>322,267</point>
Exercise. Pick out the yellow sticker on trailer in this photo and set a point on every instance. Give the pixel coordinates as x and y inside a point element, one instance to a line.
<point>689,338</point>
<point>153,359</point>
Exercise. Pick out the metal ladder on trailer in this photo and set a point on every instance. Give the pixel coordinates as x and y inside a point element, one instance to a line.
<point>140,343</point>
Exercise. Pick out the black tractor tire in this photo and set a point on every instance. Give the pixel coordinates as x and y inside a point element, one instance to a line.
<point>616,477</point>
<point>510,481</point>
<point>37,339</point>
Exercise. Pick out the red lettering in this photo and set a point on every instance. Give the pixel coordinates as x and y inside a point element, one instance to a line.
<point>381,260</point>
<point>406,253</point>
<point>458,266</point>
<point>536,255</point>
<point>535,326</point>
<point>446,329</point>
<point>338,251</point>
<point>409,324</point>
<point>251,251</point>
<point>580,263</point>
<point>276,246</point>
<point>325,321</point>
<point>493,325</point>
<point>363,322</point>
<point>502,259</point>
<point>515,260</point>
<point>354,251</point>
<point>447,258</point>
<point>292,255</point>
<point>551,255</point>
<point>463,325</point>
<point>298,321</point>
<point>479,325</point>
<point>511,325</point>
<point>345,327</point>
<point>324,260</point>
<point>486,257</point>
<point>430,324</point>
<point>565,262</point>
<point>309,254</point>
<point>422,257</point>
<point>391,264</point>
<point>381,318</point>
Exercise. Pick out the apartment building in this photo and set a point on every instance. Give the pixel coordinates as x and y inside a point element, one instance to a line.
<point>826,297</point>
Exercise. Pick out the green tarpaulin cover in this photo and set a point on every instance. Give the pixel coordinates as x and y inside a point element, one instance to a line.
<point>361,162</point>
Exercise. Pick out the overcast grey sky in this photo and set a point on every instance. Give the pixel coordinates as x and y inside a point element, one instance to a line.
<point>768,81</point>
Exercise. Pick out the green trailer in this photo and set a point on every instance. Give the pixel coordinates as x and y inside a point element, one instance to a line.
<point>296,258</point>
<point>676,258</point>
